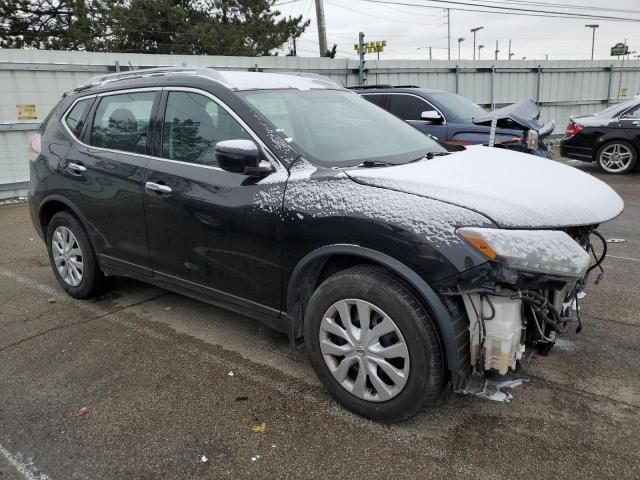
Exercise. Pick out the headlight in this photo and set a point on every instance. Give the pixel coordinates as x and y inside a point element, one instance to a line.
<point>544,251</point>
<point>532,139</point>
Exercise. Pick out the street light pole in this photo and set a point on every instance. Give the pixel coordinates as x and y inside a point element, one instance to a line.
<point>497,51</point>
<point>474,31</point>
<point>593,37</point>
<point>480,47</point>
<point>460,40</point>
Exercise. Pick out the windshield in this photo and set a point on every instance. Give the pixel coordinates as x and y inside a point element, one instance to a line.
<point>460,107</point>
<point>338,128</point>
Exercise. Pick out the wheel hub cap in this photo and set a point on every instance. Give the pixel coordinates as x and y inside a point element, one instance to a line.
<point>364,350</point>
<point>615,158</point>
<point>67,256</point>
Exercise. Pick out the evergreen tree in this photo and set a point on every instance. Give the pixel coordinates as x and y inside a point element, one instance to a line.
<point>214,27</point>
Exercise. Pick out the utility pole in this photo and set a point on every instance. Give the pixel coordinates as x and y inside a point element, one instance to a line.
<point>362,76</point>
<point>480,47</point>
<point>593,37</point>
<point>460,40</point>
<point>510,54</point>
<point>322,28</point>
<point>295,53</point>
<point>497,51</point>
<point>449,33</point>
<point>474,31</point>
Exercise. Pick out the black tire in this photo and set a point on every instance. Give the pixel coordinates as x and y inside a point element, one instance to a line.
<point>426,378</point>
<point>92,278</point>
<point>624,144</point>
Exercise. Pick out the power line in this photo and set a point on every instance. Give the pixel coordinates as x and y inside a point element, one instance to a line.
<point>500,11</point>
<point>422,24</point>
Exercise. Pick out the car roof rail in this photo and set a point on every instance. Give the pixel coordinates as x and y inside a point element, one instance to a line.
<point>368,87</point>
<point>156,71</point>
<point>312,75</point>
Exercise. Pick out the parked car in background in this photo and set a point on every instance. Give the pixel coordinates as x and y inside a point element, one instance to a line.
<point>455,120</point>
<point>611,137</point>
<point>296,202</point>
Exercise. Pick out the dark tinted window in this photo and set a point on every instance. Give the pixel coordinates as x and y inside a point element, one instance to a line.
<point>76,117</point>
<point>408,107</point>
<point>193,124</point>
<point>122,122</point>
<point>376,99</point>
<point>632,113</point>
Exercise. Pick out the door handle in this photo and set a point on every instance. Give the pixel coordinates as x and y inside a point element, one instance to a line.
<point>157,187</point>
<point>76,168</point>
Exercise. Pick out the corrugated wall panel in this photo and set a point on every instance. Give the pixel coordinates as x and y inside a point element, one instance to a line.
<point>565,87</point>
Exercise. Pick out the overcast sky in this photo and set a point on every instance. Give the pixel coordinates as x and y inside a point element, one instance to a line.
<point>406,28</point>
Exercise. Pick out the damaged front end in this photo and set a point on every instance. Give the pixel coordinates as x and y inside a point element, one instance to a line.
<point>519,301</point>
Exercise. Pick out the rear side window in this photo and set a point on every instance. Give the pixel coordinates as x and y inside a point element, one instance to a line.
<point>122,122</point>
<point>632,113</point>
<point>193,124</point>
<point>376,99</point>
<point>77,115</point>
<point>408,107</point>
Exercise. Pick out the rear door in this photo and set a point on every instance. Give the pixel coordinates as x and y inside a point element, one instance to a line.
<point>630,122</point>
<point>211,231</point>
<point>409,107</point>
<point>104,170</point>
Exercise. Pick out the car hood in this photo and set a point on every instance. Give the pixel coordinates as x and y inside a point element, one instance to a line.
<point>524,114</point>
<point>512,189</point>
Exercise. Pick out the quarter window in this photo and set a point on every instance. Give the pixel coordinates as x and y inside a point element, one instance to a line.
<point>193,124</point>
<point>408,107</point>
<point>122,122</point>
<point>76,117</point>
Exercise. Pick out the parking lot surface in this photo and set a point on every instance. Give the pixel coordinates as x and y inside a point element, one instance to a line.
<point>142,383</point>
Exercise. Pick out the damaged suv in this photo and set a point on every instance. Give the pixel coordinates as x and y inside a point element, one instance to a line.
<point>294,201</point>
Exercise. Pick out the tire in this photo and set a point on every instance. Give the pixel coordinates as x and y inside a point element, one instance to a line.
<point>87,280</point>
<point>625,160</point>
<point>382,294</point>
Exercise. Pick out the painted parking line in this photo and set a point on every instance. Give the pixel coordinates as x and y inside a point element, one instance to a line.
<point>25,468</point>
<point>624,258</point>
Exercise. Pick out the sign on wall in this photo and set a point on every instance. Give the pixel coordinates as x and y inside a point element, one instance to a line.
<point>26,112</point>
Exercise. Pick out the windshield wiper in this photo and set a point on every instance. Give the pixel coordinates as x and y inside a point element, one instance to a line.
<point>430,155</point>
<point>375,163</point>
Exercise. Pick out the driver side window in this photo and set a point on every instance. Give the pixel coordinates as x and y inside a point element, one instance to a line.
<point>193,124</point>
<point>408,107</point>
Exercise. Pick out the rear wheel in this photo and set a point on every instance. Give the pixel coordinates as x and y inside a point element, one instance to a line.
<point>373,345</point>
<point>616,157</point>
<point>72,257</point>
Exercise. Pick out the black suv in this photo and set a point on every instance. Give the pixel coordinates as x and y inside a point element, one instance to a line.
<point>297,202</point>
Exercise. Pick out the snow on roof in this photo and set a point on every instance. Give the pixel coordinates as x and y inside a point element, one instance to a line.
<point>263,81</point>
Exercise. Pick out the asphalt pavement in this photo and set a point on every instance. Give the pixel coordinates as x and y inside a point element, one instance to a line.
<point>145,384</point>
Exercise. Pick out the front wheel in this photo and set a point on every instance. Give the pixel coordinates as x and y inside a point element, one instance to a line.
<point>616,157</point>
<point>373,345</point>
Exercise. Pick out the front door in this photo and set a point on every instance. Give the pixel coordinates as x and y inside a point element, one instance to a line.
<point>410,107</point>
<point>210,230</point>
<point>104,170</point>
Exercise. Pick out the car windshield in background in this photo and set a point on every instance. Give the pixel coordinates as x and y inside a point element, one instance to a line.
<point>459,106</point>
<point>339,129</point>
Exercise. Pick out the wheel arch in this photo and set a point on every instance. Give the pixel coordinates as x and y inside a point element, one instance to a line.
<point>53,204</point>
<point>308,273</point>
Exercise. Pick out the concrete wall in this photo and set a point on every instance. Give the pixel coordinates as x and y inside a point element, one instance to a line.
<point>561,88</point>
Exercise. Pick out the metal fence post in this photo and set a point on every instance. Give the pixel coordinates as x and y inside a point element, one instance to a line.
<point>457,78</point>
<point>117,63</point>
<point>609,87</point>
<point>538,86</point>
<point>493,82</point>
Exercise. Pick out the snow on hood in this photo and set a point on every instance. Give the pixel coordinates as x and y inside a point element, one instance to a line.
<point>513,189</point>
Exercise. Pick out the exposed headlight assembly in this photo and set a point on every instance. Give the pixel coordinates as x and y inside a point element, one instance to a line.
<point>544,251</point>
<point>532,139</point>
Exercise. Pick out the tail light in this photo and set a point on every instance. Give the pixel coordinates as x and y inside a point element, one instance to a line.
<point>572,129</point>
<point>35,145</point>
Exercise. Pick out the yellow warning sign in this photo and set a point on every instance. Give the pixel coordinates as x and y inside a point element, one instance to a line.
<point>624,92</point>
<point>27,112</point>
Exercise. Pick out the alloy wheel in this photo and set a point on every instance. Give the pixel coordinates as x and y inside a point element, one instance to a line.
<point>67,256</point>
<point>364,350</point>
<point>616,158</point>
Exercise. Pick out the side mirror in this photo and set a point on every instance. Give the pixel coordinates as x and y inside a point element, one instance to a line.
<point>431,116</point>
<point>241,156</point>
